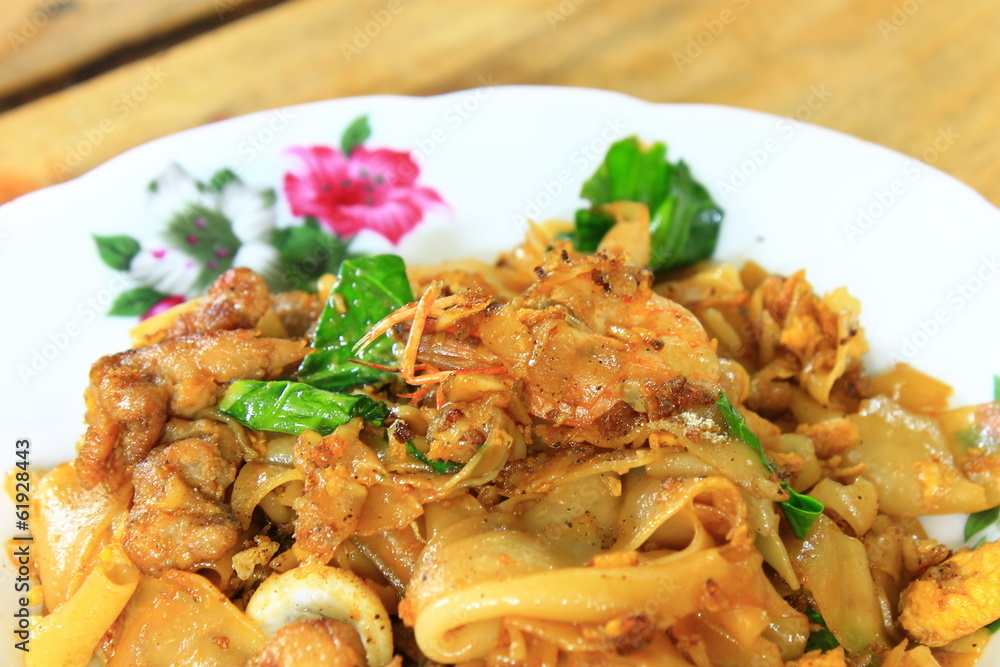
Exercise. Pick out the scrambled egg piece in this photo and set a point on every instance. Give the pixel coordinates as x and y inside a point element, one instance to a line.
<point>955,598</point>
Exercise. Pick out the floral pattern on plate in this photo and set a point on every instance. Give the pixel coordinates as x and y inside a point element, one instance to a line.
<point>204,228</point>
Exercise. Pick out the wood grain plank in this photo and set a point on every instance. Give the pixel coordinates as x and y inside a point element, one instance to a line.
<point>866,67</point>
<point>44,39</point>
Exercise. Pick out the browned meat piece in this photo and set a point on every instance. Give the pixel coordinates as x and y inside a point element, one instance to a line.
<point>314,643</point>
<point>132,393</point>
<point>178,518</point>
<point>231,447</point>
<point>297,310</point>
<point>126,412</point>
<point>954,598</point>
<point>236,300</point>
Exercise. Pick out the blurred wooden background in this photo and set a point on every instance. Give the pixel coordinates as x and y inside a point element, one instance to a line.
<point>84,80</point>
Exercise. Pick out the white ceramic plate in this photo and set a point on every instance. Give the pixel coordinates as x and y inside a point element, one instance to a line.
<point>919,248</point>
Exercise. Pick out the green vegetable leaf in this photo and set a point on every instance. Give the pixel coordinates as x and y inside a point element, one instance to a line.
<point>368,289</point>
<point>800,510</point>
<point>293,407</point>
<point>355,134</point>
<point>994,626</point>
<point>436,466</point>
<point>821,639</point>
<point>307,252</point>
<point>996,387</point>
<point>685,227</point>
<point>736,424</point>
<point>684,220</point>
<point>591,226</point>
<point>136,301</point>
<point>117,251</point>
<point>980,521</point>
<point>630,173</point>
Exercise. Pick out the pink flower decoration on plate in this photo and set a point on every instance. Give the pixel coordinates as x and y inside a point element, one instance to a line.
<point>369,189</point>
<point>163,305</point>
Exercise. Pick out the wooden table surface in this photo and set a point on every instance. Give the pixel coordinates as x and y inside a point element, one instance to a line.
<point>84,80</point>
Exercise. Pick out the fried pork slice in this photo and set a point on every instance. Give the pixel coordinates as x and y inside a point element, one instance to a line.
<point>314,643</point>
<point>955,598</point>
<point>131,394</point>
<point>178,518</point>
<point>236,300</point>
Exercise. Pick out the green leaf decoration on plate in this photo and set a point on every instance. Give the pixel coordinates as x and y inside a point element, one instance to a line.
<point>220,179</point>
<point>355,135</point>
<point>136,302</point>
<point>207,237</point>
<point>117,251</point>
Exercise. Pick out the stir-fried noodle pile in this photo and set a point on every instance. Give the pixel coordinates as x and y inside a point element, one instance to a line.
<point>554,465</point>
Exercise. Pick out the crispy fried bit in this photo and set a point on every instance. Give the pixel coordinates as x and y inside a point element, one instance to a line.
<point>131,394</point>
<point>313,643</point>
<point>676,396</point>
<point>329,509</point>
<point>619,420</point>
<point>831,437</point>
<point>818,341</point>
<point>236,300</point>
<point>178,518</point>
<point>955,598</point>
<point>629,633</point>
<point>246,562</point>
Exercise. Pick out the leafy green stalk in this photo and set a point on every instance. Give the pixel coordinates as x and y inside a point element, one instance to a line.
<point>821,639</point>
<point>980,521</point>
<point>591,226</point>
<point>684,220</point>
<point>293,407</point>
<point>685,227</point>
<point>800,510</point>
<point>436,466</point>
<point>367,289</point>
